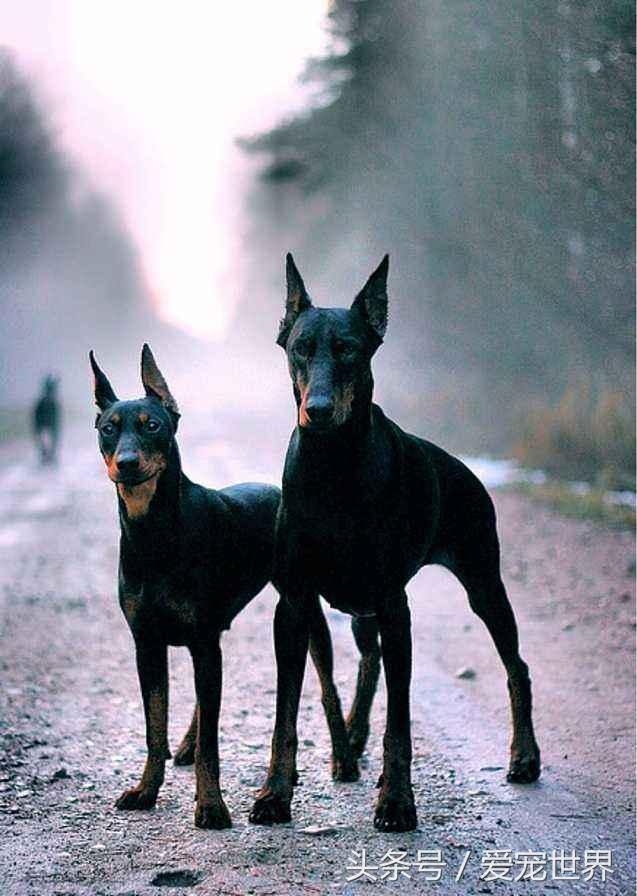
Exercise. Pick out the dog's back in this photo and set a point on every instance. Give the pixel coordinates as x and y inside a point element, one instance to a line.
<point>241,523</point>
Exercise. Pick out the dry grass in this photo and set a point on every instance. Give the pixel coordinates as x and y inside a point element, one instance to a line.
<point>583,436</point>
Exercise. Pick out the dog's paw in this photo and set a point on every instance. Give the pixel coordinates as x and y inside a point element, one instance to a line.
<point>345,769</point>
<point>185,754</point>
<point>137,798</point>
<point>525,765</point>
<point>270,809</point>
<point>357,739</point>
<point>212,816</point>
<point>395,812</point>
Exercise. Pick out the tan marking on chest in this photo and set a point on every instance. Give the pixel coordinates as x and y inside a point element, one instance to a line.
<point>137,498</point>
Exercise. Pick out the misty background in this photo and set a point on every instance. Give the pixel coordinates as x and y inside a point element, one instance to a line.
<point>487,146</point>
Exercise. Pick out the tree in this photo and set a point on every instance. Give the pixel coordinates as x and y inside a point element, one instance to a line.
<point>489,146</point>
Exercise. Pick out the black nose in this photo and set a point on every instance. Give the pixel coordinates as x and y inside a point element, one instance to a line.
<point>320,411</point>
<point>127,461</point>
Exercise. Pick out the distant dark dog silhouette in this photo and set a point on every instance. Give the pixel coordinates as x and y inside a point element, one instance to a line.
<point>364,507</point>
<point>46,420</point>
<point>191,558</point>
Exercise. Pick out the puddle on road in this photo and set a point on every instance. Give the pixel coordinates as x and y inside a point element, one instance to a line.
<point>497,472</point>
<point>177,879</point>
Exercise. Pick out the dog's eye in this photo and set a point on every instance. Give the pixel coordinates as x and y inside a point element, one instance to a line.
<point>344,349</point>
<point>153,425</point>
<point>108,429</point>
<point>302,349</point>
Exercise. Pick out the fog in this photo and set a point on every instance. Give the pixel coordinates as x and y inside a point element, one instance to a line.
<point>488,148</point>
<point>121,183</point>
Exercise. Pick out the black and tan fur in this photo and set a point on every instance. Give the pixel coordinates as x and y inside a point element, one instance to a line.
<point>191,558</point>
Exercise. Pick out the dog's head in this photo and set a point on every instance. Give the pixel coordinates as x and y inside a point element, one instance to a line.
<point>329,350</point>
<point>135,437</point>
<point>50,386</point>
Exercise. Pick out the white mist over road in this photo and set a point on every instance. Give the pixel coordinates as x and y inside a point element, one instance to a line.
<point>148,99</point>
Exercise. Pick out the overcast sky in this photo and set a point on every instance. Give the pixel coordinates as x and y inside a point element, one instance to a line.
<point>148,97</point>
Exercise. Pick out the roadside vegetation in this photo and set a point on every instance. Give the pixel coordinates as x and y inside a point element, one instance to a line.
<point>584,436</point>
<point>591,505</point>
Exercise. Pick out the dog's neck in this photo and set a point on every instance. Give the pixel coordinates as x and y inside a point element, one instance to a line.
<point>348,439</point>
<point>148,511</point>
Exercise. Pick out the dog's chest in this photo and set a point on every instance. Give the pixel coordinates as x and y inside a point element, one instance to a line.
<point>177,612</point>
<point>164,608</point>
<point>347,557</point>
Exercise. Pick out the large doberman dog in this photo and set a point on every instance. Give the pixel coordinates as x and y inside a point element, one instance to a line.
<point>190,559</point>
<point>364,506</point>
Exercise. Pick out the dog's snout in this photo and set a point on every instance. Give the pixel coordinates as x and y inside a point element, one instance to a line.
<point>127,461</point>
<point>320,410</point>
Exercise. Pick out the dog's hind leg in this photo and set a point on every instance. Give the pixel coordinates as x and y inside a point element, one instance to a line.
<point>152,668</point>
<point>365,631</point>
<point>185,753</point>
<point>488,599</point>
<point>344,765</point>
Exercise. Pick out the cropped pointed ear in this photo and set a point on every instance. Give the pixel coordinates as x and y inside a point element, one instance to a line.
<point>297,300</point>
<point>155,384</point>
<point>372,302</point>
<point>104,394</point>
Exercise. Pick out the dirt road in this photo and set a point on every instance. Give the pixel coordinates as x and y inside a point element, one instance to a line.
<point>72,731</point>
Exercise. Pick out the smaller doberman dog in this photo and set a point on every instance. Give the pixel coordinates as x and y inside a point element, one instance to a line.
<point>191,559</point>
<point>364,506</point>
<point>46,421</point>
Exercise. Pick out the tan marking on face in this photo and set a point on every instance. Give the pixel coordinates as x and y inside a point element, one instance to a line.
<point>111,466</point>
<point>137,498</point>
<point>151,464</point>
<point>115,418</point>
<point>304,418</point>
<point>343,403</point>
<point>143,418</point>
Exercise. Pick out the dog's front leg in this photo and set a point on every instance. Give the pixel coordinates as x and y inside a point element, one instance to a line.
<point>395,809</point>
<point>152,668</point>
<point>211,811</point>
<point>291,638</point>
